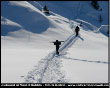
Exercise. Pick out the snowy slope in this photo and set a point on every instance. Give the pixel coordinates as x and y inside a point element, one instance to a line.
<point>31,27</point>
<point>29,56</point>
<point>80,61</point>
<point>86,60</point>
<point>79,10</point>
<point>23,47</point>
<point>26,18</point>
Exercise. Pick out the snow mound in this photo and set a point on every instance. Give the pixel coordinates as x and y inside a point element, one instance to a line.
<point>8,25</point>
<point>24,14</point>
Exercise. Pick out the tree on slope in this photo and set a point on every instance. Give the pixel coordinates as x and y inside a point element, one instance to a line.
<point>96,6</point>
<point>45,10</point>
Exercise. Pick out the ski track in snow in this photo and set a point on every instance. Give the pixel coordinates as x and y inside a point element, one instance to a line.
<point>48,70</point>
<point>100,62</point>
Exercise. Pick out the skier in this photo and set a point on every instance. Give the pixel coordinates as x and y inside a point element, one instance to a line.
<point>77,31</point>
<point>57,43</point>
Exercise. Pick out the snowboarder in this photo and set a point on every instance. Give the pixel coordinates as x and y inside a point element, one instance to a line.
<point>77,31</point>
<point>57,43</point>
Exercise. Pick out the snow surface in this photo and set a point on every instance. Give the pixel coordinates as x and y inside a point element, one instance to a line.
<point>27,52</point>
<point>79,10</point>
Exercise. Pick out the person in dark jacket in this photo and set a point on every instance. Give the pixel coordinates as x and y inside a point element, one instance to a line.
<point>77,30</point>
<point>57,43</point>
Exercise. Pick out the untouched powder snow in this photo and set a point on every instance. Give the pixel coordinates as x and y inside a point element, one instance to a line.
<point>25,16</point>
<point>28,54</point>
